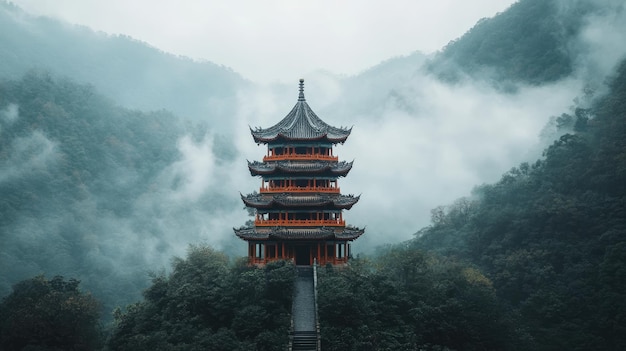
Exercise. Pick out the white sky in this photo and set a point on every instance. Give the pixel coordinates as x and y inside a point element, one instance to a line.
<point>277,40</point>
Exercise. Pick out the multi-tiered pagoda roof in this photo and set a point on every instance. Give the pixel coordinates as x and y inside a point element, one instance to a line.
<point>299,205</point>
<point>301,123</point>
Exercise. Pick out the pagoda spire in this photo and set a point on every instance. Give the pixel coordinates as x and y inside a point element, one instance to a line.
<point>301,95</point>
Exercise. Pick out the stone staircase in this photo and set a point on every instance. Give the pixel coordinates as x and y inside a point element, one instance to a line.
<point>304,341</point>
<point>304,335</point>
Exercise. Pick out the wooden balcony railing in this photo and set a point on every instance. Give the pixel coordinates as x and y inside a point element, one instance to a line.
<point>300,157</point>
<point>296,189</point>
<point>300,222</point>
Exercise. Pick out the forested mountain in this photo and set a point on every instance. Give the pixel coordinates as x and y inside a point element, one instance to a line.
<point>531,42</point>
<point>535,261</point>
<point>130,72</point>
<point>86,185</point>
<point>551,235</point>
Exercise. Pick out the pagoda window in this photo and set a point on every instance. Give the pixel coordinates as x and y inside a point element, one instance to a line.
<point>259,251</point>
<point>271,251</point>
<point>341,250</point>
<point>301,182</point>
<point>301,150</point>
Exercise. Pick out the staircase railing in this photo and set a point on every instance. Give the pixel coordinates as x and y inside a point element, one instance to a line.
<point>317,319</point>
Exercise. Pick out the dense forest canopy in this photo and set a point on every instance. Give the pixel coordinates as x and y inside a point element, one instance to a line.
<point>49,314</point>
<point>532,42</point>
<point>207,303</point>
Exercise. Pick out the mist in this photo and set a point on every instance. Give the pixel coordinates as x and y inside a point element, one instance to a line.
<point>431,150</point>
<point>417,143</point>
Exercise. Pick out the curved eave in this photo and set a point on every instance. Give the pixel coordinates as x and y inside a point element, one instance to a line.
<point>261,168</point>
<point>351,233</point>
<point>348,202</point>
<point>250,233</point>
<point>286,233</point>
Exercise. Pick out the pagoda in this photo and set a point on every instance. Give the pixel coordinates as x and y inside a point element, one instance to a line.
<point>299,207</point>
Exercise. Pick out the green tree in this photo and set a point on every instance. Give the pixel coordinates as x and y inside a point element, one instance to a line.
<point>43,314</point>
<point>407,299</point>
<point>207,303</point>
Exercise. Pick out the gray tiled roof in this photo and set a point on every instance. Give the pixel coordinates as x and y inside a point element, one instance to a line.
<point>308,200</point>
<point>301,124</point>
<point>266,233</point>
<point>334,168</point>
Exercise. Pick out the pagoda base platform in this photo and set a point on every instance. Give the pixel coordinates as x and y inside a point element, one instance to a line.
<point>301,252</point>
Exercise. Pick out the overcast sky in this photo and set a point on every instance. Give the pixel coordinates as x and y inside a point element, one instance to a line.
<point>277,40</point>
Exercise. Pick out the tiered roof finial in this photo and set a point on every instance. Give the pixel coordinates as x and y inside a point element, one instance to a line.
<point>301,96</point>
<point>300,124</point>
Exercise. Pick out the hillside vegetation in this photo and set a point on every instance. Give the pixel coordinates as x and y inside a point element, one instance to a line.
<point>552,235</point>
<point>205,303</point>
<point>208,304</point>
<point>85,183</point>
<point>530,42</point>
<point>49,314</point>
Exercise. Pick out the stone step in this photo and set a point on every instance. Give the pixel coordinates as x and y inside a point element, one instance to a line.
<point>304,337</point>
<point>305,271</point>
<point>304,343</point>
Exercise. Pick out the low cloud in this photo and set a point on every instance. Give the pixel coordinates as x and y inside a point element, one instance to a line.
<point>419,143</point>
<point>192,175</point>
<point>601,44</point>
<point>9,114</point>
<point>27,156</point>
